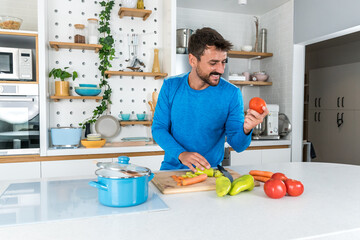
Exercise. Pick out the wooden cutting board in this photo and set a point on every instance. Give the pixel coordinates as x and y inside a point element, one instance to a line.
<point>166,184</point>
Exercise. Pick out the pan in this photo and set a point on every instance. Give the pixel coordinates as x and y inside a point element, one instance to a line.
<point>108,126</point>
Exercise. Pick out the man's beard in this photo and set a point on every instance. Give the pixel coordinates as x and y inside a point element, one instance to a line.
<point>206,78</point>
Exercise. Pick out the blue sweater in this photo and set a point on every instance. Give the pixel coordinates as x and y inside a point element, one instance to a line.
<point>198,121</point>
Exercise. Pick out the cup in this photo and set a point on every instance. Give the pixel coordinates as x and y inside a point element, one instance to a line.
<point>125,116</point>
<point>141,116</point>
<point>247,76</point>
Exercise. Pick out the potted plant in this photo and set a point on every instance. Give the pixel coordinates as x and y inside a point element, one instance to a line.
<point>62,87</point>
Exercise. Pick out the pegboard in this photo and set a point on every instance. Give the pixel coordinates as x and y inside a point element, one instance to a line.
<point>129,94</point>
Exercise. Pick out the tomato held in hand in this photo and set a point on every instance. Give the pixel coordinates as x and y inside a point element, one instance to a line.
<point>294,188</point>
<point>275,188</point>
<point>279,176</point>
<point>257,104</point>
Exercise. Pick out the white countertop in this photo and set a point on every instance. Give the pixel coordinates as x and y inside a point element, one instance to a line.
<point>328,209</point>
<point>146,148</point>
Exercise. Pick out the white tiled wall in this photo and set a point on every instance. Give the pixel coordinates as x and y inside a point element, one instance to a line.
<point>279,25</point>
<point>24,9</point>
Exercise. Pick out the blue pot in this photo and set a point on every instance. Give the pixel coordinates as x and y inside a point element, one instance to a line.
<point>119,185</point>
<point>66,136</point>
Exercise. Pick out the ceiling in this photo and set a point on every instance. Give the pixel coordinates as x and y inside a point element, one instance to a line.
<point>253,7</point>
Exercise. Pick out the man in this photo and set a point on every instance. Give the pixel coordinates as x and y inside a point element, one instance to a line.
<point>196,110</point>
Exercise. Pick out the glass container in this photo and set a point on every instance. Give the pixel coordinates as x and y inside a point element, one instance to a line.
<point>79,33</point>
<point>93,32</point>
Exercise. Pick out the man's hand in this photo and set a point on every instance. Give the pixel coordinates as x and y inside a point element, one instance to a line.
<point>253,118</point>
<point>193,158</point>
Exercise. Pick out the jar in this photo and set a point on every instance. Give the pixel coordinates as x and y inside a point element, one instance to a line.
<point>93,31</point>
<point>140,4</point>
<point>79,35</point>
<point>129,3</point>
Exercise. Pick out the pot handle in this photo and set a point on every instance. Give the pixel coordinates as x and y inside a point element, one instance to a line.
<point>151,176</point>
<point>98,185</point>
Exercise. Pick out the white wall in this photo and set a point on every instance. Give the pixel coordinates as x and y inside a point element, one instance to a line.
<point>279,25</point>
<point>24,9</point>
<point>317,18</point>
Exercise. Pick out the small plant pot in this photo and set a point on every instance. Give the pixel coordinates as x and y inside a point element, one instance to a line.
<point>61,88</point>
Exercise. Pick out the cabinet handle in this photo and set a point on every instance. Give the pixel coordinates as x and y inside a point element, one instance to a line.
<point>315,116</point>
<point>320,102</point>
<point>315,102</point>
<point>319,116</point>
<point>338,102</point>
<point>342,101</point>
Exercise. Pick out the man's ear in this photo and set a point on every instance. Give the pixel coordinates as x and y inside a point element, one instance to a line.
<point>192,60</point>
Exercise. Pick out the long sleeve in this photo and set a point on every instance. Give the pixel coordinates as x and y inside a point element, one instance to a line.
<point>161,127</point>
<point>234,126</point>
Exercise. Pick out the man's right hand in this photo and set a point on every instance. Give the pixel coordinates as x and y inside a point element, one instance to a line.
<point>193,158</point>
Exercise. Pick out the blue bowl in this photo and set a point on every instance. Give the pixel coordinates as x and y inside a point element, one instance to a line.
<point>86,91</point>
<point>141,116</point>
<point>124,116</point>
<point>88,85</point>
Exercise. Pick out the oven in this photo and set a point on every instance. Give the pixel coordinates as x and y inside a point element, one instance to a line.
<point>19,119</point>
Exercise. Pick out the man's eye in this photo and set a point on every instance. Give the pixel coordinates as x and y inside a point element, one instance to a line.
<point>213,63</point>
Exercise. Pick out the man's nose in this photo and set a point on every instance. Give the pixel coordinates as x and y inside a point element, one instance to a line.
<point>220,68</point>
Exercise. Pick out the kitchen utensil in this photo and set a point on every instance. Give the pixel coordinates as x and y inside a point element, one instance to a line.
<point>155,96</point>
<point>8,22</point>
<point>166,184</point>
<point>182,37</point>
<point>136,139</point>
<point>93,144</point>
<point>259,129</point>
<point>180,50</point>
<point>125,116</point>
<point>284,125</point>
<point>141,116</point>
<point>246,48</point>
<point>66,137</point>
<point>122,184</point>
<point>87,91</point>
<point>226,173</point>
<point>151,106</point>
<point>108,126</point>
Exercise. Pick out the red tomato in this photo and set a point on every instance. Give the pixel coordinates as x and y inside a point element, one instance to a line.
<point>294,188</point>
<point>279,176</point>
<point>257,104</point>
<point>275,188</point>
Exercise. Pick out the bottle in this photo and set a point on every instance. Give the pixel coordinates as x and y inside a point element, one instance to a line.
<point>156,64</point>
<point>93,31</point>
<point>263,39</point>
<point>140,4</point>
<point>79,36</point>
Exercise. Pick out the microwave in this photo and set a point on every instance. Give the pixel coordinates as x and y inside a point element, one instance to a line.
<point>16,64</point>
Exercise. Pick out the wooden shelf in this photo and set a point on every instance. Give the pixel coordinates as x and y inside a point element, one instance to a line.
<point>141,74</point>
<point>69,45</point>
<point>127,123</point>
<point>133,12</point>
<point>254,83</point>
<point>242,54</point>
<point>58,98</point>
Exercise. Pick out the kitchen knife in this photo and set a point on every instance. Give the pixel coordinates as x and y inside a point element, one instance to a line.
<point>226,173</point>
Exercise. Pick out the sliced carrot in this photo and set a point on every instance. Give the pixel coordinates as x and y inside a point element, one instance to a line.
<point>261,178</point>
<point>261,173</point>
<point>197,179</point>
<point>176,178</point>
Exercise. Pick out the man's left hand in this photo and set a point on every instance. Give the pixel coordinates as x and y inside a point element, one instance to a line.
<point>253,118</point>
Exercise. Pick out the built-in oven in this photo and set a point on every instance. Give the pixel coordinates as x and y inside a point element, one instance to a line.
<point>19,119</point>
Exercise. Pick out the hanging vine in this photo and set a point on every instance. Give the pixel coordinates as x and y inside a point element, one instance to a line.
<point>106,54</point>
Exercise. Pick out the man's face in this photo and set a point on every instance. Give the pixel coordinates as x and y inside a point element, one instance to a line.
<point>211,65</point>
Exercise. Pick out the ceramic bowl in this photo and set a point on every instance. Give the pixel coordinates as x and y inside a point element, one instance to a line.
<point>262,77</point>
<point>94,137</point>
<point>93,144</point>
<point>87,91</point>
<point>246,48</point>
<point>88,85</point>
<point>141,116</point>
<point>124,116</point>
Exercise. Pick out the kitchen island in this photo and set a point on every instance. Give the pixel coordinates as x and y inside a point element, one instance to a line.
<point>328,209</point>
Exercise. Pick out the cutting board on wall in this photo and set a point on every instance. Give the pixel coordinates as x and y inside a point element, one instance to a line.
<point>166,184</point>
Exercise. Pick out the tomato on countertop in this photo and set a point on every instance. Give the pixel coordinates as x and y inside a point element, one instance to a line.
<point>275,188</point>
<point>293,187</point>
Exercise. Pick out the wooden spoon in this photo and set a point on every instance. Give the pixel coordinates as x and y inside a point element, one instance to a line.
<point>155,96</point>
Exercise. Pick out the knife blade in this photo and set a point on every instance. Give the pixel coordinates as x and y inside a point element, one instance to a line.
<point>225,172</point>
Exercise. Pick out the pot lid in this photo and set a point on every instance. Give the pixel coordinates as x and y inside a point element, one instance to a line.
<point>121,169</point>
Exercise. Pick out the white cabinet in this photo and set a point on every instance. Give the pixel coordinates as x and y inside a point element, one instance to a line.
<point>261,156</point>
<point>17,171</point>
<point>70,168</point>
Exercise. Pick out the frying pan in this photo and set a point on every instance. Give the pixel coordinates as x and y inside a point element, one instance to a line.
<point>108,126</point>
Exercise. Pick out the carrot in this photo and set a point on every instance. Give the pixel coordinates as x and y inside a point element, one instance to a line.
<point>261,178</point>
<point>261,173</point>
<point>197,179</point>
<point>176,178</point>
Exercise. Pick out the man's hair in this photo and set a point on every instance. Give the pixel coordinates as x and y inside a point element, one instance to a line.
<point>205,37</point>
